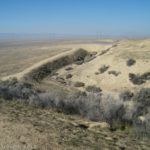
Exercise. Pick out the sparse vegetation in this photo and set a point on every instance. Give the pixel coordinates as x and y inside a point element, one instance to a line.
<point>79,84</point>
<point>103,68</point>
<point>79,62</point>
<point>142,126</point>
<point>39,73</point>
<point>104,52</point>
<point>61,80</point>
<point>54,74</point>
<point>113,72</point>
<point>69,68</point>
<point>126,95</point>
<point>12,89</point>
<point>97,73</point>
<point>93,89</point>
<point>130,62</point>
<point>115,111</point>
<point>79,56</point>
<point>139,79</point>
<point>90,57</point>
<point>68,76</point>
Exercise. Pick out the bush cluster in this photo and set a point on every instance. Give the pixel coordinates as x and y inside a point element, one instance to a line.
<point>139,79</point>
<point>127,108</point>
<point>13,89</point>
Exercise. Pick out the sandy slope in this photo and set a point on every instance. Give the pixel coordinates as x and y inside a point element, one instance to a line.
<point>119,52</point>
<point>116,58</point>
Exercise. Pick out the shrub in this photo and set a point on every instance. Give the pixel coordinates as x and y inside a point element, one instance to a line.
<point>69,68</point>
<point>80,55</point>
<point>136,79</point>
<point>79,62</point>
<point>146,76</point>
<point>117,111</point>
<point>93,89</point>
<point>61,80</point>
<point>50,99</point>
<point>126,95</point>
<point>68,76</point>
<point>130,111</point>
<point>130,62</point>
<point>104,51</point>
<point>139,79</point>
<point>97,73</point>
<point>90,57</point>
<point>54,73</point>
<point>112,110</point>
<point>113,72</point>
<point>103,68</point>
<point>143,99</point>
<point>143,96</point>
<point>142,126</point>
<point>11,89</point>
<point>79,84</point>
<point>85,105</point>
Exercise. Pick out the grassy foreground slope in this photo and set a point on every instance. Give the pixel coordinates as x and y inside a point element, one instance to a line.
<point>26,127</point>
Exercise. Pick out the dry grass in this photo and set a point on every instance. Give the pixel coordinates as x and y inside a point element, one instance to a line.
<point>26,127</point>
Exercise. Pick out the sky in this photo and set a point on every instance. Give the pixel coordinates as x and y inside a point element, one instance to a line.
<point>76,17</point>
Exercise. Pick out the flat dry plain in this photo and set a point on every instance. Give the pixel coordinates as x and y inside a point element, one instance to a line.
<point>26,128</point>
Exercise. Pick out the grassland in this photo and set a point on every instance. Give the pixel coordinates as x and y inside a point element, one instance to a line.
<point>103,68</point>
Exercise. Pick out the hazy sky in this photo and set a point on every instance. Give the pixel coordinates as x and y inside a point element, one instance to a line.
<point>108,17</point>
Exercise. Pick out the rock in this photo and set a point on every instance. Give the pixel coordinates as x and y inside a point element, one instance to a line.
<point>92,125</point>
<point>102,125</point>
<point>141,119</point>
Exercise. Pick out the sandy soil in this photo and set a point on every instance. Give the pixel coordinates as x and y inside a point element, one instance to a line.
<point>116,59</point>
<point>119,52</point>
